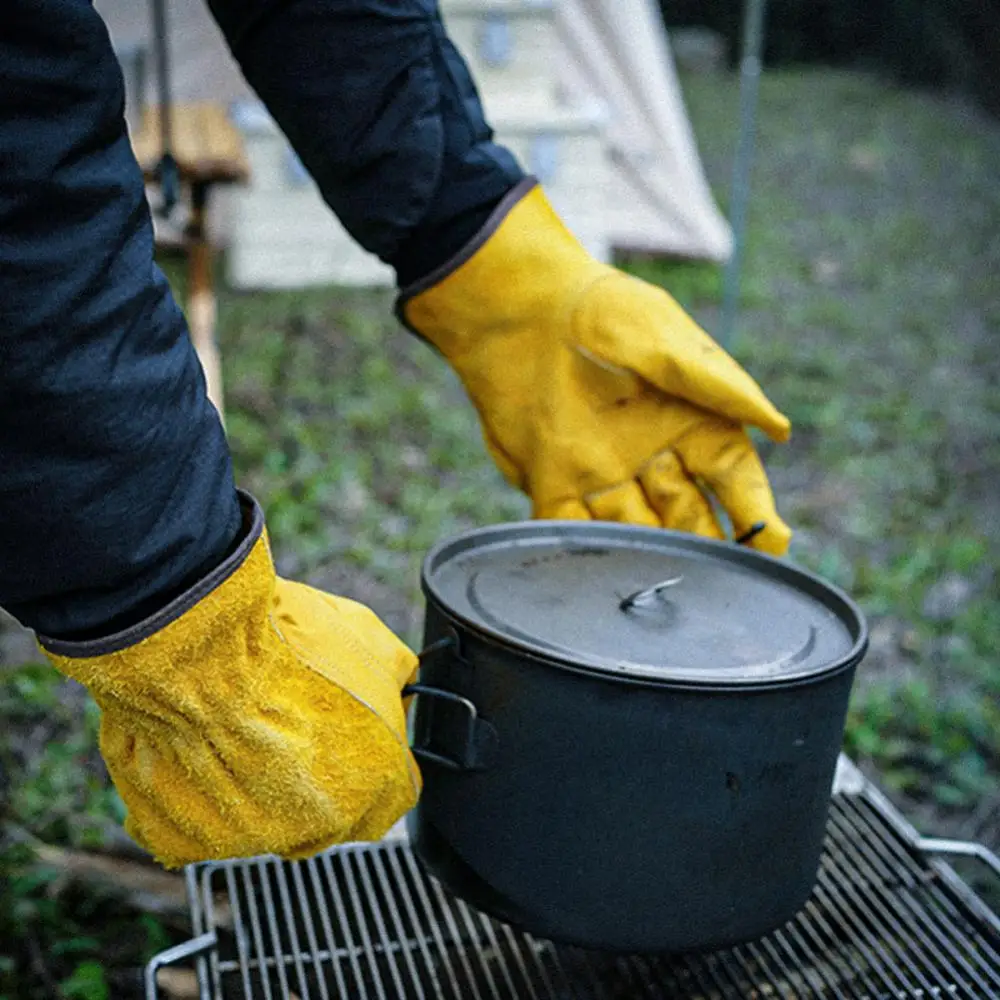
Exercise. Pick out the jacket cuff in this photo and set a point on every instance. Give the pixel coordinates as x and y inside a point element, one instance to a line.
<point>253,528</point>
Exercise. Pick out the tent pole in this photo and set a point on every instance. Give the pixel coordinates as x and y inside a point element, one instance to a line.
<point>750,69</point>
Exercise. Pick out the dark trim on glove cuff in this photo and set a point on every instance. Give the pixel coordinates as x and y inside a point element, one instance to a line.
<point>253,528</point>
<point>502,210</point>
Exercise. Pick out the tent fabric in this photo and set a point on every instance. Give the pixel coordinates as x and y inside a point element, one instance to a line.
<point>617,52</point>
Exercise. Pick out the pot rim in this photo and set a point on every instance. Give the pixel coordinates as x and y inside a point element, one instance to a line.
<point>807,581</point>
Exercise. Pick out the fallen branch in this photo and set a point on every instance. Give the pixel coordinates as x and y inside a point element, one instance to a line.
<point>147,889</point>
<point>180,984</point>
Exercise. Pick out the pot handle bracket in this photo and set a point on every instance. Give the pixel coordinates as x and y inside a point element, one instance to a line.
<point>470,744</point>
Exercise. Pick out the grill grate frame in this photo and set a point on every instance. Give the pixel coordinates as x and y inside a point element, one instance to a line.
<point>363,922</point>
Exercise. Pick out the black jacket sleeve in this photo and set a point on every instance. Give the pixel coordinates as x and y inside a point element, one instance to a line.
<point>115,480</point>
<point>116,488</point>
<point>381,109</point>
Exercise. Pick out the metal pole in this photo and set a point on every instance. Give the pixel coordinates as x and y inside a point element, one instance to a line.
<point>166,170</point>
<point>750,69</point>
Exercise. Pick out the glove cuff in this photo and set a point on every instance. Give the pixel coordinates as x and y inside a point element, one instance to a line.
<point>524,268</point>
<point>453,263</point>
<point>253,529</point>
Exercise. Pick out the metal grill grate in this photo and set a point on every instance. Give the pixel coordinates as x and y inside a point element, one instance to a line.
<point>364,922</point>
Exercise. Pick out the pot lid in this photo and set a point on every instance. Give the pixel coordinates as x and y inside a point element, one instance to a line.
<point>644,602</point>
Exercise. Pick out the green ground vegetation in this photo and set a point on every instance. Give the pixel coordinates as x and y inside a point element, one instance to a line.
<point>872,317</point>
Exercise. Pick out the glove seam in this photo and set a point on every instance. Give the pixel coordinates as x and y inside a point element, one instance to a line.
<point>307,661</point>
<point>133,635</point>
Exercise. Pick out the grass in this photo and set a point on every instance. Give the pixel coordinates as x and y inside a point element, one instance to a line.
<point>871,315</point>
<point>59,940</point>
<point>873,311</point>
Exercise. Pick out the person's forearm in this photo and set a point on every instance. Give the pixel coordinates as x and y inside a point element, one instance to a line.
<point>382,111</point>
<point>115,482</point>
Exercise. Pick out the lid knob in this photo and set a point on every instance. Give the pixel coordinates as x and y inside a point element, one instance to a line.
<point>645,596</point>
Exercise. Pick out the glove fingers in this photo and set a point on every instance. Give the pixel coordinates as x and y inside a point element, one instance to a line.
<point>562,510</point>
<point>676,500</point>
<point>723,455</point>
<point>625,503</point>
<point>296,603</point>
<point>640,327</point>
<point>715,382</point>
<point>507,466</point>
<point>385,647</point>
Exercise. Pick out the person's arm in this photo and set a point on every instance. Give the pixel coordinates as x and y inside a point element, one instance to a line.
<point>241,713</point>
<point>599,396</point>
<point>383,113</point>
<point>116,490</point>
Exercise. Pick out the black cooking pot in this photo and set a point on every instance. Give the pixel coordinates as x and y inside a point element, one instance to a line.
<point>628,736</point>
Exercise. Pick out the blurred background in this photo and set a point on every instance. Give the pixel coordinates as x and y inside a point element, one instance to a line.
<point>869,310</point>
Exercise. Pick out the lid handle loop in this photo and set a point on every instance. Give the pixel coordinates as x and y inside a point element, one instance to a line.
<point>647,594</point>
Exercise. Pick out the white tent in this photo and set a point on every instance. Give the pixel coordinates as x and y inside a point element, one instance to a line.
<point>584,91</point>
<point>618,52</point>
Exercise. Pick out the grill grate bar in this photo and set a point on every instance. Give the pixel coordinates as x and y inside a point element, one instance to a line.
<point>464,914</point>
<point>288,913</point>
<point>932,946</point>
<point>310,930</point>
<point>517,950</point>
<point>800,967</point>
<point>697,969</point>
<point>780,981</point>
<point>277,950</point>
<point>932,906</point>
<point>891,931</point>
<point>881,925</point>
<point>628,972</point>
<point>816,968</point>
<point>852,925</point>
<point>434,924</point>
<point>474,923</point>
<point>365,923</point>
<point>409,906</point>
<point>945,918</point>
<point>567,986</point>
<point>494,951</point>
<point>470,921</point>
<point>852,954</point>
<point>241,937</point>
<point>345,926</point>
<point>374,859</point>
<point>366,939</point>
<point>374,912</point>
<point>650,985</point>
<point>721,969</point>
<point>256,942</point>
<point>455,934</point>
<point>326,923</point>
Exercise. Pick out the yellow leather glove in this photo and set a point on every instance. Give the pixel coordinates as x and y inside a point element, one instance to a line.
<point>599,396</point>
<point>253,715</point>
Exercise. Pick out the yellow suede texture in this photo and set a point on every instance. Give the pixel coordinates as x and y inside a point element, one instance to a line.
<point>266,719</point>
<point>599,396</point>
